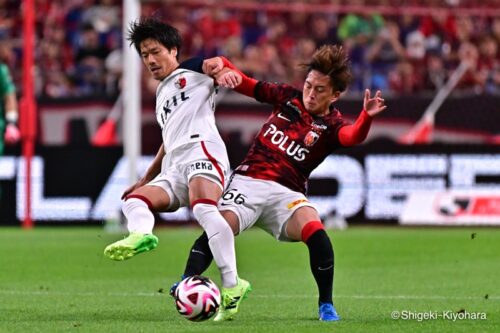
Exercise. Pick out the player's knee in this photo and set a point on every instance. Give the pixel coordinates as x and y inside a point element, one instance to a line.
<point>320,246</point>
<point>310,228</point>
<point>203,208</point>
<point>208,216</point>
<point>135,201</point>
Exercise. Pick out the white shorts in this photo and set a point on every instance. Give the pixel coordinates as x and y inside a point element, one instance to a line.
<point>201,159</point>
<point>264,203</point>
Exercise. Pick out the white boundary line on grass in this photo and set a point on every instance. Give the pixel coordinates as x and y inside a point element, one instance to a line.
<point>144,294</point>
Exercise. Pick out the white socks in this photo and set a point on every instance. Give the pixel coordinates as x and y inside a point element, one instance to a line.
<point>139,217</point>
<point>220,240</point>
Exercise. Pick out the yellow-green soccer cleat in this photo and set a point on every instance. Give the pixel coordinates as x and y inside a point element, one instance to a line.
<point>128,247</point>
<point>231,299</point>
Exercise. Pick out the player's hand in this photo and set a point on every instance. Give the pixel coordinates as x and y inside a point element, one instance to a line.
<point>12,134</point>
<point>132,188</point>
<point>212,66</point>
<point>375,105</point>
<point>228,78</point>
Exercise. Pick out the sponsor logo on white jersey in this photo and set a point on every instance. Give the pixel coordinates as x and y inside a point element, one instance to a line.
<point>167,108</point>
<point>200,166</point>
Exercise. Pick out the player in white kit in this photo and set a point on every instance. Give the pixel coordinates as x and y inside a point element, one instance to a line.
<point>191,165</point>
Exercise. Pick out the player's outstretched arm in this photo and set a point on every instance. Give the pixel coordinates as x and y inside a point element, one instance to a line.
<point>226,76</point>
<point>231,77</point>
<point>153,170</point>
<point>212,66</point>
<point>356,133</point>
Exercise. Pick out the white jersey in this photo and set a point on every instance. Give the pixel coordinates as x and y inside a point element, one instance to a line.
<point>185,105</point>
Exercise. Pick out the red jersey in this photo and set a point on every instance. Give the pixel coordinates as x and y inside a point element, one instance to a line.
<point>292,142</point>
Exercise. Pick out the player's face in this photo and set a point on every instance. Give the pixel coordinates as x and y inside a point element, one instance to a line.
<point>318,93</point>
<point>158,59</point>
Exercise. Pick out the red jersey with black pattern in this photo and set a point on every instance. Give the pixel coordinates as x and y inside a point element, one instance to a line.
<point>292,142</point>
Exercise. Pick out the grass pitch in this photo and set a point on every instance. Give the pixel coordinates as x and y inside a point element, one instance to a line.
<point>57,280</point>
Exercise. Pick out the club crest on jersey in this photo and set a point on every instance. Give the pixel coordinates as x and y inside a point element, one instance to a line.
<point>180,82</point>
<point>314,134</point>
<point>311,138</point>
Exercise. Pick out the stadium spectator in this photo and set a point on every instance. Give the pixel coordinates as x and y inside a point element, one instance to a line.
<point>488,64</point>
<point>436,74</point>
<point>104,18</point>
<point>438,28</point>
<point>9,14</point>
<point>57,85</point>
<point>268,188</point>
<point>383,54</point>
<point>495,28</point>
<point>409,76</point>
<point>295,23</point>
<point>357,32</point>
<point>408,23</point>
<point>114,69</point>
<point>90,45</point>
<point>359,29</point>
<point>304,50</point>
<point>89,62</point>
<point>469,54</point>
<point>323,29</point>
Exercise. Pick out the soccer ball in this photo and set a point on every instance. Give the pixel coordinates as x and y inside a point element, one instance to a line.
<point>197,298</point>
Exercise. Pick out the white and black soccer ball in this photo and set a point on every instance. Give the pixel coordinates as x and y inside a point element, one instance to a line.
<point>197,298</point>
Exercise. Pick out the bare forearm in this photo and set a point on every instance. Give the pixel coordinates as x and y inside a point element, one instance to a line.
<point>12,113</point>
<point>10,102</point>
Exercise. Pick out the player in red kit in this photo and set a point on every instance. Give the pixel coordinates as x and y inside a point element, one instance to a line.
<point>270,184</point>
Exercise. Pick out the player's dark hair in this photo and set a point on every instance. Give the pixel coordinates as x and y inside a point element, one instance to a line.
<point>332,60</point>
<point>150,27</point>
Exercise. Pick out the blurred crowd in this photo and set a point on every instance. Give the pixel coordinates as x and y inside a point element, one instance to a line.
<point>79,42</point>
